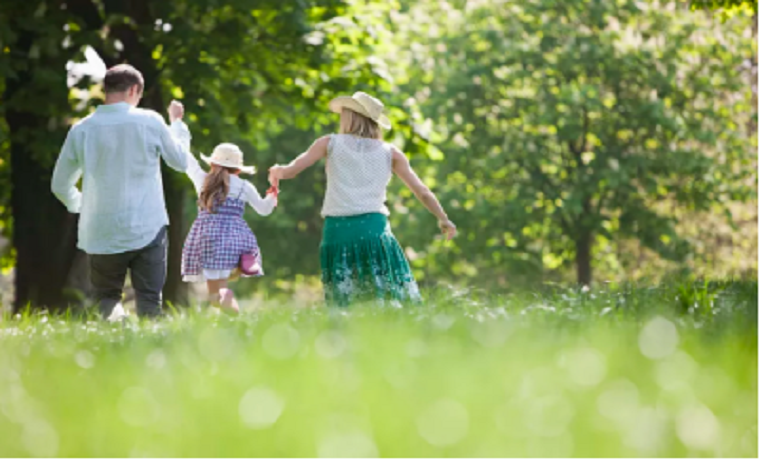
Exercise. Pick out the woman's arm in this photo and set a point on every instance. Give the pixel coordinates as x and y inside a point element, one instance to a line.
<point>317,151</point>
<point>404,170</point>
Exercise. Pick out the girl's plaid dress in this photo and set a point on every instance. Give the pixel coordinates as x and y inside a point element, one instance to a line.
<point>218,239</point>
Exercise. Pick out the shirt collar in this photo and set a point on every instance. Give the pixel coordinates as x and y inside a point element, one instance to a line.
<point>116,107</point>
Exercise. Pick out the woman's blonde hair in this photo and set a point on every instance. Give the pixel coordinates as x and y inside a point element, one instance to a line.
<point>358,125</point>
<point>216,186</point>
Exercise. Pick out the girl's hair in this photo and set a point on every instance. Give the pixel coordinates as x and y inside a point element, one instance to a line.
<point>357,124</point>
<point>216,186</point>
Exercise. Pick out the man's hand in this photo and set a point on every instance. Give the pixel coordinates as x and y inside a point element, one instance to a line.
<point>176,111</point>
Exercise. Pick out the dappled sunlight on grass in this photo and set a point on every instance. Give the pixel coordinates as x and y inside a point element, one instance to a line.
<point>626,372</point>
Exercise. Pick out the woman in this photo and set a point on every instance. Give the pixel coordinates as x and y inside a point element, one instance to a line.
<point>360,257</point>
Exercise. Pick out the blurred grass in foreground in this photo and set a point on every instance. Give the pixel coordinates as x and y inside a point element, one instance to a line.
<point>635,371</point>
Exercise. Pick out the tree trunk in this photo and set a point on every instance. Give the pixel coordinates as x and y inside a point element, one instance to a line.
<point>752,124</point>
<point>44,233</point>
<point>583,257</point>
<point>175,191</point>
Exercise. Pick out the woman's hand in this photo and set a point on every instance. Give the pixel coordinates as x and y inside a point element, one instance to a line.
<point>276,173</point>
<point>448,228</point>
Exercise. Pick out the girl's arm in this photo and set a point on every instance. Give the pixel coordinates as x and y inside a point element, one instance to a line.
<point>404,170</point>
<point>263,206</point>
<point>317,151</point>
<point>195,172</point>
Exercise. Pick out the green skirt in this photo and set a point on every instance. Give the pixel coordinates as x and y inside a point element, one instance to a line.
<point>362,261</point>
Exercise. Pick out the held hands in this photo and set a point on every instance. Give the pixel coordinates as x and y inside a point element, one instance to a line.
<point>273,191</point>
<point>275,174</point>
<point>176,111</point>
<point>448,228</point>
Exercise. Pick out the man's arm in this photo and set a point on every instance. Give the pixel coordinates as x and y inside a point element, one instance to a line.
<point>66,174</point>
<point>175,140</point>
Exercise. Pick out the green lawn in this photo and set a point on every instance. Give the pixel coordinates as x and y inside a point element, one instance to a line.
<point>632,371</point>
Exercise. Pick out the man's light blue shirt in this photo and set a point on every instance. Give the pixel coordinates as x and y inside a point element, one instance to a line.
<point>117,152</point>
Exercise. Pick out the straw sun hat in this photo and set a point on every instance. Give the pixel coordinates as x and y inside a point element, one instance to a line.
<point>229,156</point>
<point>364,104</point>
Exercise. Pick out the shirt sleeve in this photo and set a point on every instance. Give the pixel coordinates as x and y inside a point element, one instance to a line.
<point>174,143</point>
<point>194,171</point>
<point>263,206</point>
<point>66,174</point>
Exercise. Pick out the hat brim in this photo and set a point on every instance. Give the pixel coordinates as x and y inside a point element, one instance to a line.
<point>243,169</point>
<point>347,102</point>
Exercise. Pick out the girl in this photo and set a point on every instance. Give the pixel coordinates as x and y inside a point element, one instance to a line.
<point>359,255</point>
<point>219,236</point>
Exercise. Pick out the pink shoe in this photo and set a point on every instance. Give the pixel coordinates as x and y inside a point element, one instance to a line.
<point>228,302</point>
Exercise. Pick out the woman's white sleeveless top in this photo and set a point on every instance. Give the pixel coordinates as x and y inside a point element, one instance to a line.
<point>358,173</point>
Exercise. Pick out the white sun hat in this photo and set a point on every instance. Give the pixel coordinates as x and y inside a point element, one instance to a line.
<point>229,156</point>
<point>364,104</point>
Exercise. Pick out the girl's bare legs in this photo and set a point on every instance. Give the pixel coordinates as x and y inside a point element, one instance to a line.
<point>221,296</point>
<point>213,291</point>
<point>229,303</point>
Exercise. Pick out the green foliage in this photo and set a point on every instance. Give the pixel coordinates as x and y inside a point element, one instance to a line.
<point>547,128</point>
<point>724,4</point>
<point>32,40</point>
<point>612,372</point>
<point>563,121</point>
<point>6,222</point>
<point>249,72</point>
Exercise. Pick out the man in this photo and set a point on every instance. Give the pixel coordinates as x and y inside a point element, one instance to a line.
<point>116,151</point>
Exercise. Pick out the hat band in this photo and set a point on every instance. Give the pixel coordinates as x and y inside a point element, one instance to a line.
<point>226,162</point>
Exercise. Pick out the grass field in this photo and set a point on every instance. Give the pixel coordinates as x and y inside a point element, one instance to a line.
<point>631,371</point>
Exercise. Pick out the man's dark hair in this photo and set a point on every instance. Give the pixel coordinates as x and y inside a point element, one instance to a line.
<point>121,77</point>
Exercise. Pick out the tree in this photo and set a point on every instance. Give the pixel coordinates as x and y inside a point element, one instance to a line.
<point>572,123</point>
<point>724,4</point>
<point>245,70</point>
<point>35,99</point>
